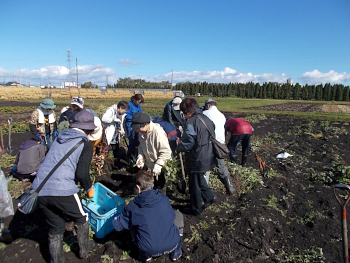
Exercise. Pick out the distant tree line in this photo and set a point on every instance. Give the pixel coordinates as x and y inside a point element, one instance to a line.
<point>327,92</point>
<point>270,90</point>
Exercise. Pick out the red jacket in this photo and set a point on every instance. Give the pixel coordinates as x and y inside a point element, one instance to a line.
<point>238,126</point>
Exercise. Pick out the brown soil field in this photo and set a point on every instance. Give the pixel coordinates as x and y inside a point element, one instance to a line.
<point>304,107</point>
<point>286,218</point>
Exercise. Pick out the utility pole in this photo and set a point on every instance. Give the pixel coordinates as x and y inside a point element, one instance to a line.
<point>172,73</point>
<point>76,63</point>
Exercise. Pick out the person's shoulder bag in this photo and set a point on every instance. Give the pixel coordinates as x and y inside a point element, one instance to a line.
<point>220,149</point>
<point>28,202</point>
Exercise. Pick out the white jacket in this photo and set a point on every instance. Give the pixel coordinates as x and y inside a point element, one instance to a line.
<point>219,120</point>
<point>154,146</point>
<point>97,132</point>
<point>110,118</point>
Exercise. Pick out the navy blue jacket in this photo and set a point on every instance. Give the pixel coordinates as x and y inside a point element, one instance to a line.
<point>150,219</point>
<point>169,129</point>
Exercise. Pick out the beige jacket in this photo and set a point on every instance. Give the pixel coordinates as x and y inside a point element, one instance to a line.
<point>154,146</point>
<point>40,124</point>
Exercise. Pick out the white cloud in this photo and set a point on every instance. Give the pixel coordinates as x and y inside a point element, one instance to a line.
<point>58,74</point>
<point>97,74</point>
<point>224,76</point>
<point>127,62</point>
<point>316,77</point>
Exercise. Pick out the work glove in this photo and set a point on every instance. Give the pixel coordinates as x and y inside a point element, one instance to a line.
<point>122,132</point>
<point>91,192</point>
<point>55,132</point>
<point>116,119</point>
<point>139,162</point>
<point>156,170</point>
<point>38,135</point>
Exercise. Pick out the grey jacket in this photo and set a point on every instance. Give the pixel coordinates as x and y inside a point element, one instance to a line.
<point>63,181</point>
<point>29,156</point>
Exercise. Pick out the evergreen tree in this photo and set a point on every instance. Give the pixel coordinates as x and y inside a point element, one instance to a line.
<point>276,91</point>
<point>256,90</point>
<point>269,91</point>
<point>339,93</point>
<point>327,92</point>
<point>334,91</point>
<point>346,93</point>
<point>319,91</point>
<point>305,92</point>
<point>296,91</point>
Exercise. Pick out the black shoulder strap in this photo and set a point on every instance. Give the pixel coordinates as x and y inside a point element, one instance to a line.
<point>58,164</point>
<point>199,117</point>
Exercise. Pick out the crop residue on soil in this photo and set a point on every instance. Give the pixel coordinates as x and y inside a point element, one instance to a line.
<point>287,217</point>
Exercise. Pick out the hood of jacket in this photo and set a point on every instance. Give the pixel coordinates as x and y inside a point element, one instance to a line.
<point>149,198</point>
<point>71,134</point>
<point>28,144</point>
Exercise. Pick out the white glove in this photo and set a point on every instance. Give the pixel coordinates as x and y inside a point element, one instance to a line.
<point>116,119</point>
<point>122,132</point>
<point>139,161</point>
<point>156,170</point>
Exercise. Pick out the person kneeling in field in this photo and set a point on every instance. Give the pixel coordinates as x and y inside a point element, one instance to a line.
<point>155,228</point>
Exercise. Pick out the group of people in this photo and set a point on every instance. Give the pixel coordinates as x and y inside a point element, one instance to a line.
<point>184,127</point>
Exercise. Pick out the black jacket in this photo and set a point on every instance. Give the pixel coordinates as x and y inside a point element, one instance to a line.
<point>171,115</point>
<point>197,145</point>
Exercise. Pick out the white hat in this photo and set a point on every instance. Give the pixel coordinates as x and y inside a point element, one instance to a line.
<point>79,101</point>
<point>176,103</point>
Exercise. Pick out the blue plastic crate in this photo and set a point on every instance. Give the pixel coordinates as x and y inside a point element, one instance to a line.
<point>102,208</point>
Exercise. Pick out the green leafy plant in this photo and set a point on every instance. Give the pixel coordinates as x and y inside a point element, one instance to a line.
<point>7,160</point>
<point>125,255</point>
<point>306,256</point>
<point>245,178</point>
<point>172,169</point>
<point>195,235</point>
<point>107,259</point>
<point>203,225</point>
<point>272,202</point>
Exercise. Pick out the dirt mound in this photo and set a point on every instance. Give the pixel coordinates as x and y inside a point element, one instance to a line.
<point>336,108</point>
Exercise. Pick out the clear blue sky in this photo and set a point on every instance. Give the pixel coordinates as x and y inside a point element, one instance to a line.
<point>214,41</point>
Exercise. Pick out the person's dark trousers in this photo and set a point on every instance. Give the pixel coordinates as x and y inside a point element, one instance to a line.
<point>199,189</point>
<point>222,169</point>
<point>58,209</point>
<point>233,142</point>
<point>160,183</point>
<point>133,143</point>
<point>115,150</point>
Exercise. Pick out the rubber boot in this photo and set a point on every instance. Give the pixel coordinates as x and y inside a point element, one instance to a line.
<point>229,187</point>
<point>85,245</point>
<point>56,248</point>
<point>244,161</point>
<point>233,159</point>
